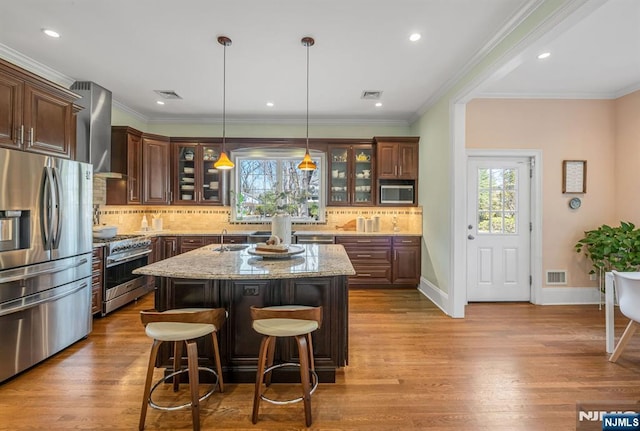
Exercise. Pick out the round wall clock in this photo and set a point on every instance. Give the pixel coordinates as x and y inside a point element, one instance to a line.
<point>575,203</point>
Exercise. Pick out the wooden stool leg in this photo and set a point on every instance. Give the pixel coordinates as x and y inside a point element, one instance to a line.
<point>262,359</point>
<point>270,355</point>
<point>192,358</point>
<point>147,382</point>
<point>216,351</point>
<point>312,364</point>
<point>624,340</point>
<point>303,352</point>
<point>177,363</point>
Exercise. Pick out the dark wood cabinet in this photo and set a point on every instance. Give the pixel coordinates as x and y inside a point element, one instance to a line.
<point>155,170</point>
<point>370,257</point>
<point>11,95</point>
<point>97,279</point>
<point>351,175</point>
<point>169,246</point>
<point>188,243</point>
<point>36,115</point>
<point>239,343</point>
<point>406,260</point>
<point>382,261</point>
<point>397,158</point>
<point>156,255</point>
<point>195,180</point>
<point>126,158</point>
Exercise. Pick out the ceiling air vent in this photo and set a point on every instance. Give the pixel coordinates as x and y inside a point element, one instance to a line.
<point>371,95</point>
<point>168,94</point>
<point>557,276</point>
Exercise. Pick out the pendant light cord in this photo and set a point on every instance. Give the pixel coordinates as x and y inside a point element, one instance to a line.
<point>224,95</point>
<point>307,97</point>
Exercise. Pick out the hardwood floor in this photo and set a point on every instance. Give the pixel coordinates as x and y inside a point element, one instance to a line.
<point>509,366</point>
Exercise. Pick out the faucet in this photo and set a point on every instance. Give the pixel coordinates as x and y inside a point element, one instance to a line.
<point>222,234</point>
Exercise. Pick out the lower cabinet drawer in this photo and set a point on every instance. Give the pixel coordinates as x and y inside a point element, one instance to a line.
<point>360,254</point>
<point>368,274</point>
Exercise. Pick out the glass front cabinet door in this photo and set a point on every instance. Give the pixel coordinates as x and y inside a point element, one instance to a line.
<point>196,180</point>
<point>351,175</point>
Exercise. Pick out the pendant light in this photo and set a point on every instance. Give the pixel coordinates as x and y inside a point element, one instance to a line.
<point>307,164</point>
<point>223,161</point>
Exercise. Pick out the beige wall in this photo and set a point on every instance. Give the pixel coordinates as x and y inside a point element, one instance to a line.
<point>563,130</point>
<point>627,161</point>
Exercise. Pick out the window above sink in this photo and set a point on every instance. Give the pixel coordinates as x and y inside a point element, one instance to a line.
<point>266,181</point>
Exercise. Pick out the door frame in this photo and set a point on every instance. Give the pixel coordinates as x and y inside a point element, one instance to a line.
<point>459,299</point>
<point>535,212</point>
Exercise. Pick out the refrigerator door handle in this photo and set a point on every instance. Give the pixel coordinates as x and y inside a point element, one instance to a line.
<point>43,297</point>
<point>45,208</point>
<point>57,206</point>
<point>23,274</point>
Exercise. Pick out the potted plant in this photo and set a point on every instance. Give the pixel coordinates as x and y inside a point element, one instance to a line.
<point>611,248</point>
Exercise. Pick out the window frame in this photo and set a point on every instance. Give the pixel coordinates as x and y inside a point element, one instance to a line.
<point>279,154</point>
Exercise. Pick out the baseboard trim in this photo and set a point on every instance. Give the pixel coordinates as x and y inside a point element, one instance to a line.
<point>435,295</point>
<point>571,296</point>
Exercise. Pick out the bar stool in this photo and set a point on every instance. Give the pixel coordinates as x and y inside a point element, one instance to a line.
<point>183,325</point>
<point>286,321</point>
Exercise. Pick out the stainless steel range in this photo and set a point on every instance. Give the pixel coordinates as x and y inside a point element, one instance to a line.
<point>123,254</point>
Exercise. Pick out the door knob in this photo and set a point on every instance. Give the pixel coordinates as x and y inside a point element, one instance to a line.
<point>471,237</point>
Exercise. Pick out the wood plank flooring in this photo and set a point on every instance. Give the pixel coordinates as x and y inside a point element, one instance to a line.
<point>509,366</point>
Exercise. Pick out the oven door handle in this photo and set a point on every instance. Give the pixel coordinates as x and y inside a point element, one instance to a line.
<point>129,257</point>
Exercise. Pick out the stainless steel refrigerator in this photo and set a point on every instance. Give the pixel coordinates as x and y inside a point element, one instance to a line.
<point>45,257</point>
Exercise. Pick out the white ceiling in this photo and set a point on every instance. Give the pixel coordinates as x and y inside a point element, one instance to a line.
<point>136,47</point>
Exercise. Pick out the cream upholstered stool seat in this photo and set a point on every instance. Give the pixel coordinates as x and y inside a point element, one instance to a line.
<point>286,321</point>
<point>184,325</point>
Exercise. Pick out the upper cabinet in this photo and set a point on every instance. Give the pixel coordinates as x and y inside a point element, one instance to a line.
<point>397,158</point>
<point>155,170</point>
<point>35,115</point>
<point>351,174</point>
<point>126,158</point>
<point>195,180</point>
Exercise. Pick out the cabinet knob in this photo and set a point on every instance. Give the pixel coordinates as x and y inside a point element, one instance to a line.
<point>471,237</point>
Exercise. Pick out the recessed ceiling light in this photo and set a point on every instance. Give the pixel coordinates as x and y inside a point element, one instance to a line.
<point>51,33</point>
<point>160,102</point>
<point>270,104</point>
<point>378,104</point>
<point>544,55</point>
<point>415,37</point>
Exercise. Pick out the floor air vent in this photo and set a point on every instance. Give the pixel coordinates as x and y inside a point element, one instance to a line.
<point>557,276</point>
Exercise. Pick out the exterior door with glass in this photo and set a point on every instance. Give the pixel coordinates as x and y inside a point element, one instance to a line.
<point>498,235</point>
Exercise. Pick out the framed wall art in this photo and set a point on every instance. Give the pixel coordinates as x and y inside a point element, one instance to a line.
<point>574,176</point>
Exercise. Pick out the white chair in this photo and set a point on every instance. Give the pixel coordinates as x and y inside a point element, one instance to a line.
<point>627,286</point>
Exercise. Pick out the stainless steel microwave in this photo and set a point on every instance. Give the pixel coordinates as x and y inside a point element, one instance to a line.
<point>396,194</point>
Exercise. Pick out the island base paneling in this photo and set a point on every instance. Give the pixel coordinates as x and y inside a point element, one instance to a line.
<point>240,344</point>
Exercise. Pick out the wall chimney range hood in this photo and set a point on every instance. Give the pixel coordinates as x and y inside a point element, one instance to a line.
<point>93,137</point>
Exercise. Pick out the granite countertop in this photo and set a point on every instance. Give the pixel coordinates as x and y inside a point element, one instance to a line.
<point>205,263</point>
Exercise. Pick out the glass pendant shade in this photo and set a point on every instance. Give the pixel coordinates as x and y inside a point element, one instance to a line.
<point>307,164</point>
<point>223,162</point>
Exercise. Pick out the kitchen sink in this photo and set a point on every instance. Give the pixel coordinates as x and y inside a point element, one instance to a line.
<point>231,247</point>
<point>263,236</point>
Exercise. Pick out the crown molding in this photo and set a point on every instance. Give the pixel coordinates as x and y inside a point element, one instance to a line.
<point>33,66</point>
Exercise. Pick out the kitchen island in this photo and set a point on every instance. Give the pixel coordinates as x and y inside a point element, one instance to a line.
<point>237,280</point>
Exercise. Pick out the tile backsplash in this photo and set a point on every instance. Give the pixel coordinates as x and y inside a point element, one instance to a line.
<point>205,219</point>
